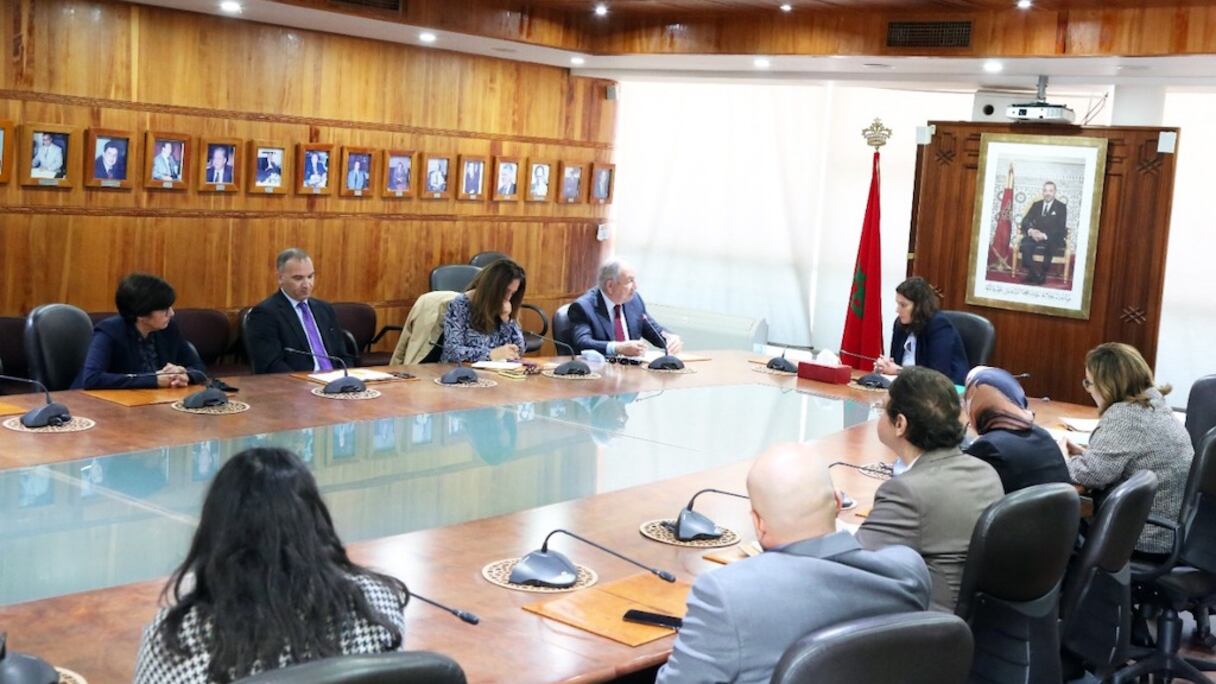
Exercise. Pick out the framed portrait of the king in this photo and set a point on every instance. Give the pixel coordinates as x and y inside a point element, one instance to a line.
<point>1035,224</point>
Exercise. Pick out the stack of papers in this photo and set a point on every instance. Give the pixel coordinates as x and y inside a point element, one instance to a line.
<point>1080,424</point>
<point>498,365</point>
<point>362,373</point>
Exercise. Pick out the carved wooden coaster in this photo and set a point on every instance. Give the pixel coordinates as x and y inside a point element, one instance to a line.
<point>76,424</point>
<point>656,530</point>
<point>499,572</point>
<point>221,410</point>
<point>66,676</point>
<point>770,371</point>
<point>674,371</point>
<point>368,393</point>
<point>480,384</point>
<point>555,376</point>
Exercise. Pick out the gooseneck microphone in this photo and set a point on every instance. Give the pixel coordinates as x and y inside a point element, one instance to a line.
<point>343,385</point>
<point>52,414</point>
<point>666,361</point>
<point>690,525</point>
<point>210,395</point>
<point>462,614</point>
<point>545,568</point>
<point>572,367</point>
<point>780,363</point>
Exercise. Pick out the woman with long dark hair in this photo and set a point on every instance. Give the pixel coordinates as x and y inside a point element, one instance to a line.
<point>923,336</point>
<point>483,323</point>
<point>266,583</point>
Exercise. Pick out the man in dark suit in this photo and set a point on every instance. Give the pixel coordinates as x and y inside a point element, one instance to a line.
<point>1044,232</point>
<point>110,165</point>
<point>742,618</point>
<point>220,170</point>
<point>612,319</point>
<point>293,318</point>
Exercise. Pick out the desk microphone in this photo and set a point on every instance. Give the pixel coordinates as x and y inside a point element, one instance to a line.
<point>666,361</point>
<point>462,614</point>
<point>51,414</point>
<point>780,363</point>
<point>574,366</point>
<point>545,568</point>
<point>690,525</point>
<point>210,395</point>
<point>459,376</point>
<point>343,385</point>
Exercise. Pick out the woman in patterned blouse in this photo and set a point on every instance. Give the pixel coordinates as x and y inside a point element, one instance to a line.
<point>266,583</point>
<point>1136,431</point>
<point>483,323</point>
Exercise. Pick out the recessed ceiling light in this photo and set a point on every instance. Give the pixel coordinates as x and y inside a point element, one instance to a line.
<point>787,7</point>
<point>993,67</point>
<point>762,63</point>
<point>427,37</point>
<point>577,61</point>
<point>601,10</point>
<point>230,6</point>
<point>1024,4</point>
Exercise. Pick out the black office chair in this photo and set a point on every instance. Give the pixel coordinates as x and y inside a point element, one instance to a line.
<point>56,342</point>
<point>483,259</point>
<point>1201,409</point>
<point>242,323</point>
<point>359,320</point>
<point>1096,605</point>
<point>12,355</point>
<point>453,277</point>
<point>534,340</point>
<point>979,337</point>
<point>563,331</point>
<point>206,329</point>
<point>415,667</point>
<point>1010,590</point>
<point>904,648</point>
<point>1185,580</point>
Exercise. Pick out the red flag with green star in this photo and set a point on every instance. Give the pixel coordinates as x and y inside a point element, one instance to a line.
<point>862,340</point>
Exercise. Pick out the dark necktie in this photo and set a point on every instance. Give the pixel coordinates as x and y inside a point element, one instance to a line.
<point>617,325</point>
<point>314,336</point>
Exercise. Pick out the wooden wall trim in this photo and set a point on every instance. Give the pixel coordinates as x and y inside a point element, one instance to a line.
<point>141,212</point>
<point>157,108</point>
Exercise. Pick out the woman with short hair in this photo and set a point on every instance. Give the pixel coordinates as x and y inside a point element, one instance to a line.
<point>483,323</point>
<point>922,335</point>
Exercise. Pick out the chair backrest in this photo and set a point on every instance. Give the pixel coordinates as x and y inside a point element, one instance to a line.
<point>562,327</point>
<point>206,329</point>
<point>979,337</point>
<point>1199,508</point>
<point>1201,409</point>
<point>1010,588</point>
<point>1096,602</point>
<point>483,259</point>
<point>454,277</point>
<point>416,667</point>
<point>359,319</point>
<point>56,341</point>
<point>99,316</point>
<point>12,346</point>
<point>889,649</point>
<point>242,323</point>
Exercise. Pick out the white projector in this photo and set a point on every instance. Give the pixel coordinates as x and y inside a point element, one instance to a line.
<point>1040,111</point>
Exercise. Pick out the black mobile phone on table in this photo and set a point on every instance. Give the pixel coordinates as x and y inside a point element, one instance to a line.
<point>657,619</point>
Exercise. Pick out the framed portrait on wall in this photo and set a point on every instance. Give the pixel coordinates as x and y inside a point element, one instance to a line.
<point>572,183</point>
<point>109,158</point>
<point>398,174</point>
<point>506,179</point>
<point>6,149</point>
<point>269,167</point>
<point>472,177</point>
<point>220,165</point>
<point>358,172</point>
<point>603,183</point>
<point>50,155</point>
<point>436,181</point>
<point>539,181</point>
<point>1035,225</point>
<point>167,160</point>
<point>312,168</point>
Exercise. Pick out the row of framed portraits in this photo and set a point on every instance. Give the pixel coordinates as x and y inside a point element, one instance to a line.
<point>51,155</point>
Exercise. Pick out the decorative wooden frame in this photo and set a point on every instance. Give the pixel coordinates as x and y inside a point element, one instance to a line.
<point>386,176</point>
<point>153,141</point>
<point>466,160</point>
<point>593,194</point>
<point>130,162</point>
<point>369,188</point>
<point>498,163</point>
<point>285,168</point>
<point>581,192</point>
<point>236,148</point>
<point>529,195</point>
<point>70,164</point>
<point>304,184</point>
<point>426,191</point>
<point>7,132</point>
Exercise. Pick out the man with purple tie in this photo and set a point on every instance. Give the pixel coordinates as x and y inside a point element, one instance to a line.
<point>293,319</point>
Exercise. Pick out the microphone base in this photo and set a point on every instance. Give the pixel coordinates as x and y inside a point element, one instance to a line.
<point>666,362</point>
<point>345,385</point>
<point>208,397</point>
<point>572,368</point>
<point>52,414</point>
<point>545,569</point>
<point>691,526</point>
<point>780,363</point>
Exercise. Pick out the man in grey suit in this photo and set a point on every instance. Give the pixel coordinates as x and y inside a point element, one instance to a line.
<point>742,618</point>
<point>938,492</point>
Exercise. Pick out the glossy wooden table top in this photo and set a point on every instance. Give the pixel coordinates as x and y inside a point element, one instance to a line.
<point>97,633</point>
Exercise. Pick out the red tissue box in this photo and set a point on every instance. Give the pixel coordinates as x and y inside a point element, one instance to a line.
<point>837,375</point>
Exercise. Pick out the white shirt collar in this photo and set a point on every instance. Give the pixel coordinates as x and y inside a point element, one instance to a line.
<point>295,303</point>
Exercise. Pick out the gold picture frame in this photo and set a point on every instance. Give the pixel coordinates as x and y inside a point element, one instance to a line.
<point>397,176</point>
<point>358,172</point>
<point>225,178</point>
<point>52,168</point>
<point>111,157</point>
<point>603,183</point>
<point>269,173</point>
<point>474,174</point>
<point>568,193</point>
<point>436,176</point>
<point>539,180</point>
<point>167,171</point>
<point>506,179</point>
<point>314,161</point>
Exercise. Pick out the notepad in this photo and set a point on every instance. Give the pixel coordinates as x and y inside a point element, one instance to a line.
<point>600,609</point>
<point>362,373</point>
<point>498,365</point>
<point>1080,424</point>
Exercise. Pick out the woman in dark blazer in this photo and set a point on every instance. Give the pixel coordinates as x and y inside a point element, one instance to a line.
<point>1022,453</point>
<point>142,338</point>
<point>922,335</point>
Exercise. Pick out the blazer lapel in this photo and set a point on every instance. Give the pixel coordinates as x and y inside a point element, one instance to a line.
<point>292,320</point>
<point>605,316</point>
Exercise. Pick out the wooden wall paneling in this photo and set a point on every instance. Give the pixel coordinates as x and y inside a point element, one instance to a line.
<point>8,142</point>
<point>1128,267</point>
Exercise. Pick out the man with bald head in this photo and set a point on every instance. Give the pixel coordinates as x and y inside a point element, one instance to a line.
<point>742,618</point>
<point>612,318</point>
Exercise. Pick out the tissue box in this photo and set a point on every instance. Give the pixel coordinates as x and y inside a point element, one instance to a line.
<point>833,373</point>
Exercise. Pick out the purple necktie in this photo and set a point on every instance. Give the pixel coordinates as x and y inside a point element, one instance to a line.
<point>314,337</point>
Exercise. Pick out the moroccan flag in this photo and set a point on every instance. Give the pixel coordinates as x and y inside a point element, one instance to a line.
<point>862,340</point>
<point>999,253</point>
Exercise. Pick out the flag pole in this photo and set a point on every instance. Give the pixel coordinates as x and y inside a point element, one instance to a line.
<point>862,338</point>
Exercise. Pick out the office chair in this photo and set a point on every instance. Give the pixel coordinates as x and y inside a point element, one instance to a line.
<point>979,337</point>
<point>562,329</point>
<point>1201,409</point>
<point>359,320</point>
<point>416,667</point>
<point>454,277</point>
<point>56,342</point>
<point>12,354</point>
<point>1096,605</point>
<point>206,329</point>
<point>483,259</point>
<point>904,648</point>
<point>1010,591</point>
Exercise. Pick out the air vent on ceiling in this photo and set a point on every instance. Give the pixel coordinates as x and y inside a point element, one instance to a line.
<point>929,34</point>
<point>390,5</point>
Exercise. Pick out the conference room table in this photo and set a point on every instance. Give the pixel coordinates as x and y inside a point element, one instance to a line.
<point>428,483</point>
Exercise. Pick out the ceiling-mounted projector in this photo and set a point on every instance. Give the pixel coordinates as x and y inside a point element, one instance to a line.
<point>1040,110</point>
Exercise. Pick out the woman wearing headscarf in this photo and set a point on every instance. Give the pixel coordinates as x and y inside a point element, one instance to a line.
<point>1022,453</point>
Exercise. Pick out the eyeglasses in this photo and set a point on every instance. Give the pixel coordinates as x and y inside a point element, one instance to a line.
<point>1087,383</point>
<point>624,361</point>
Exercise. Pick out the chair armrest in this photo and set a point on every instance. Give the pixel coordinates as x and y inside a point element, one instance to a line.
<point>384,330</point>
<point>544,320</point>
<point>1175,551</point>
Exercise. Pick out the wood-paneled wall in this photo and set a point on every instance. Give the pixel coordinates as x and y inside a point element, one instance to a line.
<point>107,64</point>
